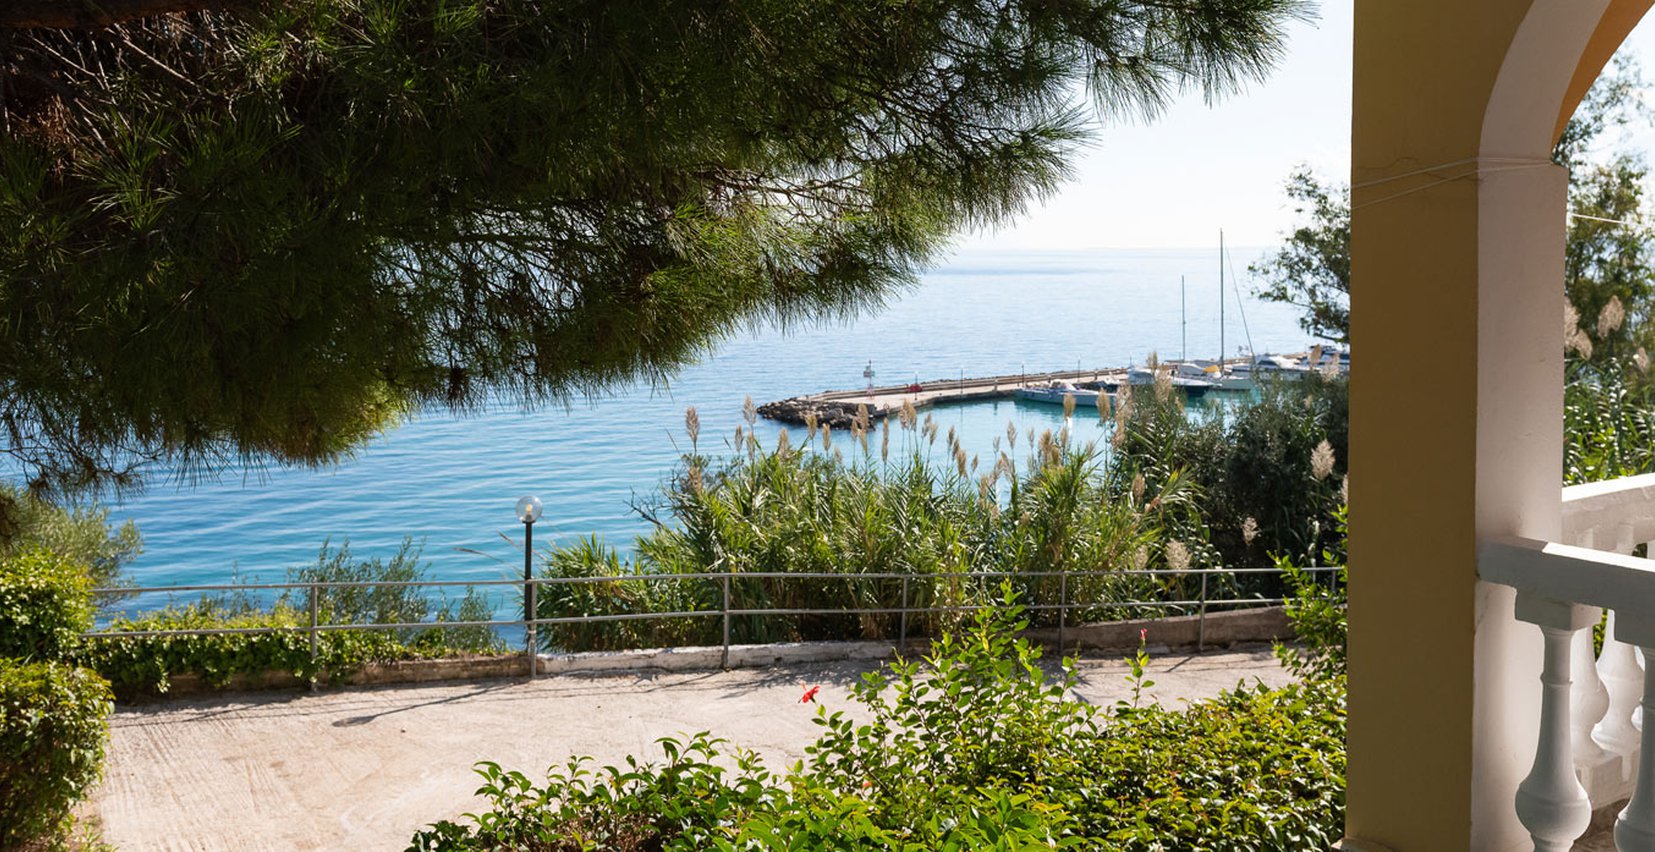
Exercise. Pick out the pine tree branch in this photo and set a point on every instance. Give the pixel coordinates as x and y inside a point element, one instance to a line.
<point>92,14</point>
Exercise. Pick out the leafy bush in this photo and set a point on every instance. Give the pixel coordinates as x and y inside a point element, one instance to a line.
<point>1250,460</point>
<point>1609,425</point>
<point>693,802</point>
<point>679,804</point>
<point>391,604</point>
<point>53,726</point>
<point>978,712</point>
<point>80,534</point>
<point>138,664</point>
<point>45,604</point>
<point>1255,770</point>
<point>974,747</point>
<point>808,510</point>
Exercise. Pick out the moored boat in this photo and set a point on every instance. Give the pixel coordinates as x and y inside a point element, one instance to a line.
<point>1054,393</point>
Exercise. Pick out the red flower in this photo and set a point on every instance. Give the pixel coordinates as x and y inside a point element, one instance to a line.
<point>1143,635</point>
<point>810,695</point>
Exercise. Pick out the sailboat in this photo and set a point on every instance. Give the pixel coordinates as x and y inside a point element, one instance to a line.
<point>1224,373</point>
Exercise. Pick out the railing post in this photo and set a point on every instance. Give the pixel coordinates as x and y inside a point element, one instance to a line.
<point>724,659</point>
<point>314,606</point>
<point>1062,607</point>
<point>533,638</point>
<point>1551,803</point>
<point>1201,617</point>
<point>902,629</point>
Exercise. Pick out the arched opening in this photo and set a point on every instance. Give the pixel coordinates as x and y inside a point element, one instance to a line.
<point>1457,259</point>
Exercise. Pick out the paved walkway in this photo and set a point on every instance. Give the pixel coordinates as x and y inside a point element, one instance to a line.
<point>364,768</point>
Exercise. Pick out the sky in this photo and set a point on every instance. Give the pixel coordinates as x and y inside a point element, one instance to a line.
<point>1176,182</point>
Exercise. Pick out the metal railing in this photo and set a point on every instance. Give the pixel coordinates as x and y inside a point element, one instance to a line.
<point>727,612</point>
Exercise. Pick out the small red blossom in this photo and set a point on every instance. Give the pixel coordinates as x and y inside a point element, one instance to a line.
<point>1143,635</point>
<point>810,695</point>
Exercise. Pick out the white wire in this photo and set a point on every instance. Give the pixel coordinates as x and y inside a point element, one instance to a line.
<point>1521,165</point>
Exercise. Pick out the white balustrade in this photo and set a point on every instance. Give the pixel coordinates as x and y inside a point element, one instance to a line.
<point>1591,752</point>
<point>1635,827</point>
<point>1624,678</point>
<point>1588,698</point>
<point>1551,803</point>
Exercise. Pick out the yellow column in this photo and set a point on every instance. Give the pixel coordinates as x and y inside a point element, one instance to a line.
<point>1456,400</point>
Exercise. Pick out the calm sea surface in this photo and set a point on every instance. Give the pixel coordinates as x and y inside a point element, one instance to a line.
<point>451,481</point>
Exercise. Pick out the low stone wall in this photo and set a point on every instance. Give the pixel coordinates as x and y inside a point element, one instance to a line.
<point>1163,634</point>
<point>1264,624</point>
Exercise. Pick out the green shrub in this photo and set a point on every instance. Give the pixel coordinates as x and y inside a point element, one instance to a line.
<point>977,712</point>
<point>1609,425</point>
<point>1316,608</point>
<point>1255,770</point>
<point>143,664</point>
<point>81,534</point>
<point>1244,460</point>
<point>805,511</point>
<point>45,604</point>
<point>974,747</point>
<point>53,726</point>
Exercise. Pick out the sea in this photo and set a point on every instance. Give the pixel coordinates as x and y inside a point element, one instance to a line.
<point>449,482</point>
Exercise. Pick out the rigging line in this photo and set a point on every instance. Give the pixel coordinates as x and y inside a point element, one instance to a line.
<point>1235,283</point>
<point>1450,179</point>
<point>1450,164</point>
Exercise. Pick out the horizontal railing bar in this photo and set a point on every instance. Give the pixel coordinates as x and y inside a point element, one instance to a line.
<point>637,616</point>
<point>297,628</point>
<point>752,575</point>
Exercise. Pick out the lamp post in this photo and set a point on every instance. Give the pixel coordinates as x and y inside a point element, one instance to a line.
<point>528,511</point>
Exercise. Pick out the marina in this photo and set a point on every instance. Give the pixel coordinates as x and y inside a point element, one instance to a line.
<point>841,408</point>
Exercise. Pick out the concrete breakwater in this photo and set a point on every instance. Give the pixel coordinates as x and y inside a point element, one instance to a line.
<point>839,408</point>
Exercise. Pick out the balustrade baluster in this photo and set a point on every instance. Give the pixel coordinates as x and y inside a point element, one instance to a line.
<point>1635,827</point>
<point>1618,668</point>
<point>1588,697</point>
<point>1551,803</point>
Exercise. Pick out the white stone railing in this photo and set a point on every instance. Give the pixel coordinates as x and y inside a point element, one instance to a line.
<point>1592,750</point>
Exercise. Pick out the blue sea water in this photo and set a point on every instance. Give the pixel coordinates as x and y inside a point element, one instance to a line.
<point>451,482</point>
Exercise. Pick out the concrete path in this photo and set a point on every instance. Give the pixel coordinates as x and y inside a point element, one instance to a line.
<point>364,768</point>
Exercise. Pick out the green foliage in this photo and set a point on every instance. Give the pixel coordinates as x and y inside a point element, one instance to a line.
<point>683,803</point>
<point>1255,770</point>
<point>1312,268</point>
<point>974,747</point>
<point>53,728</point>
<point>273,229</point>
<point>144,664</point>
<point>1316,607</point>
<point>392,604</point>
<point>79,534</point>
<point>1609,428</point>
<point>1224,488</point>
<point>141,664</point>
<point>695,801</point>
<point>808,510</point>
<point>979,711</point>
<point>45,604</point>
<point>1237,482</point>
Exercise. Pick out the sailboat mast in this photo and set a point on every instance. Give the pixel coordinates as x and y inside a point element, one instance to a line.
<point>1221,301</point>
<point>1183,320</point>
